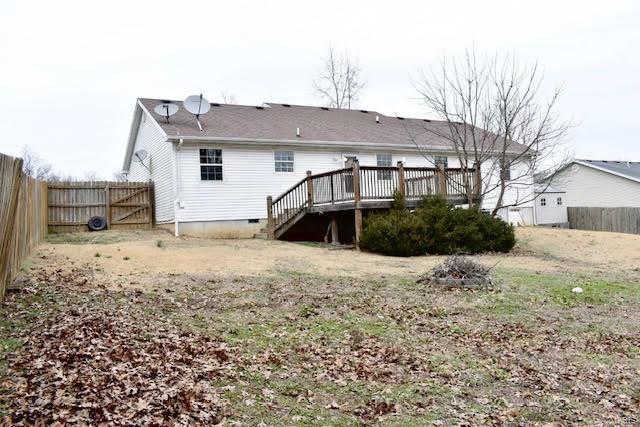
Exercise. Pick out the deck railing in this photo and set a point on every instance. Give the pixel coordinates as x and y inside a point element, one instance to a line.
<point>358,183</point>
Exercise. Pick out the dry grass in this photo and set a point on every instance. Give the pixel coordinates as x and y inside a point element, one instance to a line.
<point>334,337</point>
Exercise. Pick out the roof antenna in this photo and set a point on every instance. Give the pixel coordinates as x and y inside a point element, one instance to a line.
<point>166,109</point>
<point>197,105</point>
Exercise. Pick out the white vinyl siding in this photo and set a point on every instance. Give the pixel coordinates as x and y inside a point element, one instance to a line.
<point>249,177</point>
<point>586,186</point>
<point>160,162</point>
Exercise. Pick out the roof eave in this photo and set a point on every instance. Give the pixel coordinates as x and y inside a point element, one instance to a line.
<point>308,143</point>
<point>621,175</point>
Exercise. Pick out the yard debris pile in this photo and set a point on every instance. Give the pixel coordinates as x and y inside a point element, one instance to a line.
<point>90,367</point>
<point>459,272</point>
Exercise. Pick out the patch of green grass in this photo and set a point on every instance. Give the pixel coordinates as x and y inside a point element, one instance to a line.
<point>522,288</point>
<point>159,244</point>
<point>594,292</point>
<point>126,258</point>
<point>95,238</point>
<point>26,265</point>
<point>97,255</point>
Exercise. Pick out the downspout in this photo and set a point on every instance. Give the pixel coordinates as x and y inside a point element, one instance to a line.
<point>176,203</point>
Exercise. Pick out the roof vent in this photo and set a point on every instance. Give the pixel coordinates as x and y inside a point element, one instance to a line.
<point>363,111</point>
<point>324,108</point>
<point>286,105</point>
<point>400,118</point>
<point>298,132</point>
<point>377,119</point>
<point>215,104</point>
<point>426,120</point>
<point>259,107</point>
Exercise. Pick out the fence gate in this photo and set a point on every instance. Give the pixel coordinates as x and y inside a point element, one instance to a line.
<point>126,205</point>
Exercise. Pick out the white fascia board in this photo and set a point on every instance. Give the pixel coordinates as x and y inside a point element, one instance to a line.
<point>621,175</point>
<point>310,143</point>
<point>138,111</point>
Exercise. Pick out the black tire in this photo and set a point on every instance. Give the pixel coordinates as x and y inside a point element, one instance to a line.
<point>97,223</point>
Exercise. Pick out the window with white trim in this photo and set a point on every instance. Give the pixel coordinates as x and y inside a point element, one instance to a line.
<point>283,161</point>
<point>559,201</point>
<point>210,164</point>
<point>384,160</point>
<point>441,161</point>
<point>543,202</point>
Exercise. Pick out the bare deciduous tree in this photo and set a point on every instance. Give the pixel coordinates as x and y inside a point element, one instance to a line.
<point>495,116</point>
<point>339,82</point>
<point>34,166</point>
<point>228,98</point>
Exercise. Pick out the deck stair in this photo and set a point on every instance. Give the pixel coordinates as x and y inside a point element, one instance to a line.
<point>366,187</point>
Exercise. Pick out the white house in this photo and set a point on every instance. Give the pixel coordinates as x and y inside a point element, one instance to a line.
<point>215,181</point>
<point>600,183</point>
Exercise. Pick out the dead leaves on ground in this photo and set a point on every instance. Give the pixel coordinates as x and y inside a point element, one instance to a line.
<point>96,367</point>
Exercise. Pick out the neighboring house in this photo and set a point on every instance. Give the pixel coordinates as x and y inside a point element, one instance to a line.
<point>550,207</point>
<point>215,182</point>
<point>600,183</point>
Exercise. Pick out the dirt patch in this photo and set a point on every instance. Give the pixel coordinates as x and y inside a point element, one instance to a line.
<point>134,258</point>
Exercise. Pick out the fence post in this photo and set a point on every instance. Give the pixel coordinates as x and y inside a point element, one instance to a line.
<point>477,180</point>
<point>107,201</point>
<point>401,183</point>
<point>309,190</point>
<point>10,222</point>
<point>357,199</point>
<point>270,222</point>
<point>442,181</point>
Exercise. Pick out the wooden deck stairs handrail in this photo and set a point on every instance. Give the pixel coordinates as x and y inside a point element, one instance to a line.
<point>367,187</point>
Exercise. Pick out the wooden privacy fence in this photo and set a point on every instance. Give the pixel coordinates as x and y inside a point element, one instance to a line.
<point>619,220</point>
<point>23,217</point>
<point>124,205</point>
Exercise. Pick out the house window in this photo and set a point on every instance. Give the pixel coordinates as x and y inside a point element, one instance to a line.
<point>559,201</point>
<point>543,202</point>
<point>283,161</point>
<point>384,160</point>
<point>441,161</point>
<point>506,173</point>
<point>210,164</point>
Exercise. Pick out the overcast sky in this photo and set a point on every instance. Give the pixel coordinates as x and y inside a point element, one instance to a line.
<point>71,70</point>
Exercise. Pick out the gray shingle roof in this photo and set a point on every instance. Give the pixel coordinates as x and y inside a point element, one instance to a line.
<point>279,122</point>
<point>630,170</point>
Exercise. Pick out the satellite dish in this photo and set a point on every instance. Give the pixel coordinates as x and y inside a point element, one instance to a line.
<point>166,109</point>
<point>197,105</point>
<point>140,155</point>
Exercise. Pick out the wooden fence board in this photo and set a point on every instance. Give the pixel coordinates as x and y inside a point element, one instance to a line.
<point>618,220</point>
<point>23,220</point>
<point>124,205</point>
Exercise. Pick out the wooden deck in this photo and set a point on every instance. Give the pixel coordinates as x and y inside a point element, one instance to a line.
<point>359,188</point>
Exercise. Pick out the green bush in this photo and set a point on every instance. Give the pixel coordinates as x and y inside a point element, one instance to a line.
<point>435,227</point>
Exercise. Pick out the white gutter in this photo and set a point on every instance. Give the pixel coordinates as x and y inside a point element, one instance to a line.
<point>176,203</point>
<point>313,143</point>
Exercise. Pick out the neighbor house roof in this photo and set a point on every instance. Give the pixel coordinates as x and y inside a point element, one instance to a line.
<point>629,170</point>
<point>278,123</point>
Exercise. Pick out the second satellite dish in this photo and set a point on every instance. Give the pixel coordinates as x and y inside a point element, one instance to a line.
<point>197,105</point>
<point>166,109</point>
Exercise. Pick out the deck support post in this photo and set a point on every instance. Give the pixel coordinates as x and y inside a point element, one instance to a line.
<point>401,182</point>
<point>442,181</point>
<point>271,226</point>
<point>477,181</point>
<point>309,189</point>
<point>357,199</point>
<point>335,239</point>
